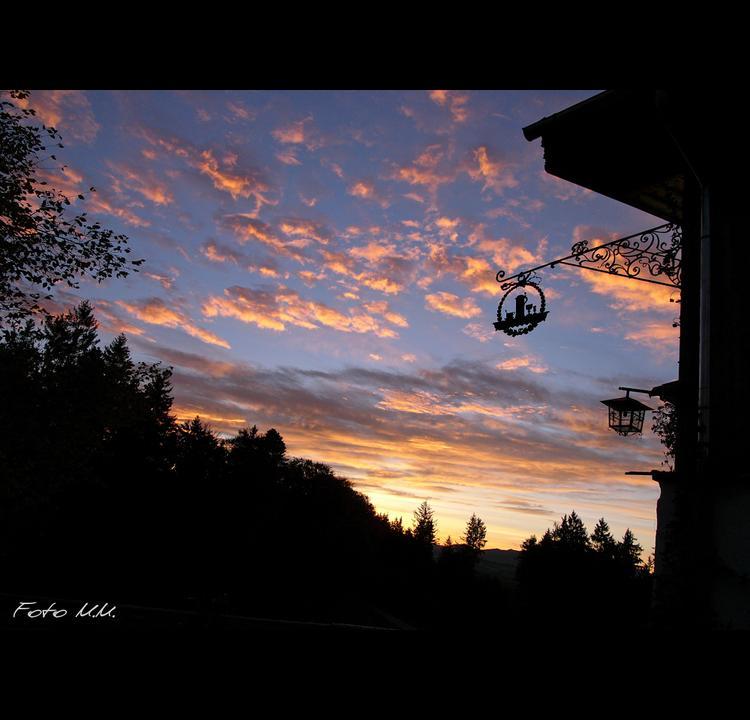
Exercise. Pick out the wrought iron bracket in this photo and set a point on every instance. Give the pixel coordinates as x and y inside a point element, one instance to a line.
<point>657,250</point>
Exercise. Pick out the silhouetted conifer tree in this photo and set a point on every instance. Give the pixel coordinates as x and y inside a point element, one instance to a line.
<point>602,540</point>
<point>425,528</point>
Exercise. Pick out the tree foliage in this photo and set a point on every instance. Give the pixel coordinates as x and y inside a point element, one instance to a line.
<point>570,577</point>
<point>425,527</point>
<point>475,536</point>
<point>41,242</point>
<point>665,426</point>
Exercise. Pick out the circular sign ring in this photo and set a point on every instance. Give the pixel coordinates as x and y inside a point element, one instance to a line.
<point>536,318</point>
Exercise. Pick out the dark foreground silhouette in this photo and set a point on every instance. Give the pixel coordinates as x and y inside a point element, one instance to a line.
<point>104,497</point>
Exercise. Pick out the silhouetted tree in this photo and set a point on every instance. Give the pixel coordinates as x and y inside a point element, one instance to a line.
<point>571,533</point>
<point>628,552</point>
<point>475,536</point>
<point>568,578</point>
<point>425,529</point>
<point>40,244</point>
<point>602,540</point>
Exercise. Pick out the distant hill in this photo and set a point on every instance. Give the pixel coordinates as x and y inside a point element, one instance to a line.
<point>500,564</point>
<point>494,562</point>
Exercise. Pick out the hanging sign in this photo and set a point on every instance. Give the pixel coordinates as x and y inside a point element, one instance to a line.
<point>529,308</point>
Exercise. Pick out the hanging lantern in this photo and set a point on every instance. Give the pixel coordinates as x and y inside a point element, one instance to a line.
<point>626,414</point>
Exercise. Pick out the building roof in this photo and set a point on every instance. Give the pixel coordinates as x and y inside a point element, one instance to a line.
<point>625,144</point>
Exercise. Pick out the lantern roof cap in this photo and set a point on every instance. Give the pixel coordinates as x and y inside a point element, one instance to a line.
<point>624,404</point>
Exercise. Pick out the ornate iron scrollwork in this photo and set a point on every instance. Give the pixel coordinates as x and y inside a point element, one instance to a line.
<point>657,250</point>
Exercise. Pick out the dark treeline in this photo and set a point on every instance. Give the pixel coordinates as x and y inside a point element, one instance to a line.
<point>106,496</point>
<point>571,577</point>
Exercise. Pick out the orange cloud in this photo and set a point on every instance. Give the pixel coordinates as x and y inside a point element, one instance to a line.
<point>343,264</point>
<point>294,133</point>
<point>522,362</point>
<point>236,185</point>
<point>165,281</point>
<point>496,175</point>
<point>507,254</point>
<point>367,191</point>
<point>445,223</point>
<point>306,229</point>
<point>373,251</point>
<point>68,111</point>
<point>183,413</point>
<point>297,133</point>
<point>101,205</point>
<point>424,170</point>
<point>381,308</point>
<point>156,312</point>
<point>219,253</point>
<point>144,183</point>
<point>451,304</point>
<point>239,111</point>
<point>222,171</point>
<point>454,101</point>
<point>288,158</point>
<point>274,311</point>
<point>245,227</point>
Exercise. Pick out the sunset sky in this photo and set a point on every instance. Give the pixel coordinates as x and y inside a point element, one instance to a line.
<point>324,263</point>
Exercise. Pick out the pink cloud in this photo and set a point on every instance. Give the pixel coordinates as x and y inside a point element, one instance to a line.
<point>451,304</point>
<point>156,312</point>
<point>276,310</point>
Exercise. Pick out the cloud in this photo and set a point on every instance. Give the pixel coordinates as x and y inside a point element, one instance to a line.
<point>382,308</point>
<point>388,274</point>
<point>274,310</point>
<point>367,190</point>
<point>298,133</point>
<point>454,101</point>
<point>166,282</point>
<point>246,228</point>
<point>426,170</point>
<point>305,229</point>
<point>293,133</point>
<point>224,178</point>
<point>216,252</point>
<point>68,111</point>
<point>505,253</point>
<point>451,304</point>
<point>239,111</point>
<point>494,173</point>
<point>144,182</point>
<point>156,312</point>
<point>222,167</point>
<point>528,363</point>
<point>479,331</point>
<point>288,158</point>
<point>100,203</point>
